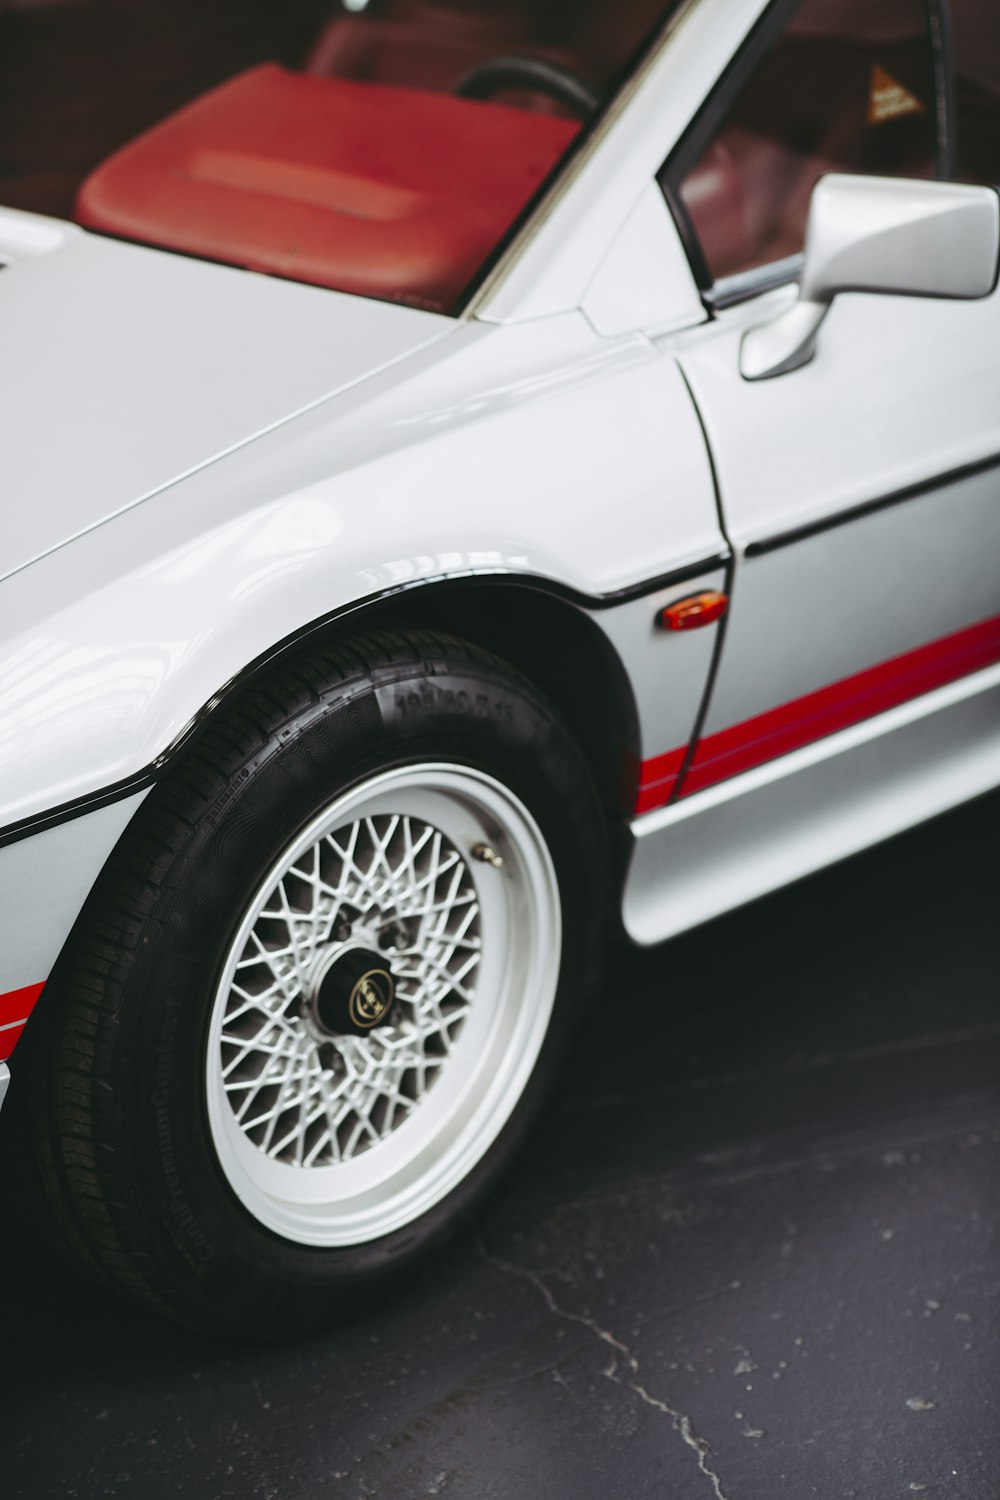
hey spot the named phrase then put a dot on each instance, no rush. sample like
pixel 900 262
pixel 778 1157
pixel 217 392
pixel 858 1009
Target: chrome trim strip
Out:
pixel 728 291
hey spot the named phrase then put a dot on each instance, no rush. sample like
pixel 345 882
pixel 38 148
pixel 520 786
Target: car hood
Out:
pixel 126 368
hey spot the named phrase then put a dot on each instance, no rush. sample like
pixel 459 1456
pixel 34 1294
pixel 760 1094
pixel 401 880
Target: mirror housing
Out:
pixel 880 234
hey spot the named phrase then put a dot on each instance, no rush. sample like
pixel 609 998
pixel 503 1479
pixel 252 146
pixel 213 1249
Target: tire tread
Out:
pixel 68 1119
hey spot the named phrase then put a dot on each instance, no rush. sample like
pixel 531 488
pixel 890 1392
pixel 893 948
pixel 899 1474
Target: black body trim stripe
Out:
pixel 720 559
pixel 149 775
pixel 869 507
pixel 77 808
pixel 720 634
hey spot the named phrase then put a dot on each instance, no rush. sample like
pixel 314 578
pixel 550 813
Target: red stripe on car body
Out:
pixel 657 779
pixel 816 715
pixel 15 1008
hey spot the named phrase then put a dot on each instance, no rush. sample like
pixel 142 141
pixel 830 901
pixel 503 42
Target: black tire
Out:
pixel 117 1101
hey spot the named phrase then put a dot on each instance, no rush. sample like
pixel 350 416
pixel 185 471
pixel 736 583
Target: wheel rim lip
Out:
pixel 429 1154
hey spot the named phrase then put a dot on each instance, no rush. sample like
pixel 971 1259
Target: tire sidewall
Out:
pixel 396 717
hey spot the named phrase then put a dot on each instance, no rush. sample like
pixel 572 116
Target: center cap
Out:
pixel 356 993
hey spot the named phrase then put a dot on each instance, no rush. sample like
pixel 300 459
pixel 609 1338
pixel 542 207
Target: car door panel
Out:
pixel 862 498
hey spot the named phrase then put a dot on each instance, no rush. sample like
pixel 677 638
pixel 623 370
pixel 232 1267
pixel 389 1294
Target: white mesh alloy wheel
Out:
pixel 321 991
pixel 383 1004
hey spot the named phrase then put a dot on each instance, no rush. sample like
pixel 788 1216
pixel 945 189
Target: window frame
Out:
pixel 718 293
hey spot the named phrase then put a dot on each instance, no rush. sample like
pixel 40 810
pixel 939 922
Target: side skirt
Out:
pixel 733 842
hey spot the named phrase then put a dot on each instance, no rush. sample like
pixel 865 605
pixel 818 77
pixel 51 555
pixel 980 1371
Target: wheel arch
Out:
pixel 547 633
pixel 541 630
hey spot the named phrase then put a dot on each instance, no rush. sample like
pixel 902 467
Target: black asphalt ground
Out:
pixel 753 1254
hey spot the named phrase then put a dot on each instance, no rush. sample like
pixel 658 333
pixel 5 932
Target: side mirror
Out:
pixel 880 234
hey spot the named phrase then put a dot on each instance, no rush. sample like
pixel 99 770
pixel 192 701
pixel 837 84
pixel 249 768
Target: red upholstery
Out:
pixel 387 192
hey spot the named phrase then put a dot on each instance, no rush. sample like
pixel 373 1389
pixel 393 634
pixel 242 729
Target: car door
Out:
pixel 861 493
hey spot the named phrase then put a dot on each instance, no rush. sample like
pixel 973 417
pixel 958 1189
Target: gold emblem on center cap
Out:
pixel 371 998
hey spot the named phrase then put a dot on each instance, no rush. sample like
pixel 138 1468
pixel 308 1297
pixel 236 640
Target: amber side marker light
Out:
pixel 694 611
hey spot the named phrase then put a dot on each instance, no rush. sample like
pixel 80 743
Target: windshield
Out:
pixel 384 148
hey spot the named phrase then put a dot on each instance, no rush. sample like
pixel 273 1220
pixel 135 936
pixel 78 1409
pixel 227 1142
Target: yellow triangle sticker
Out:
pixel 888 100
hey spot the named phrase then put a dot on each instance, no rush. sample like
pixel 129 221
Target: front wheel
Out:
pixel 314 1003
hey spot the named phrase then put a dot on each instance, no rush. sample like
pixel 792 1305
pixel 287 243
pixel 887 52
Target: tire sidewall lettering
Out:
pixel 476 712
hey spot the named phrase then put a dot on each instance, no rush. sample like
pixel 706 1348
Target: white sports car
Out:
pixel 472 472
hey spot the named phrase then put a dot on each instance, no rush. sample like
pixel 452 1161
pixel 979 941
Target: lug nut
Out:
pixel 344 925
pixel 327 1057
pixel 393 935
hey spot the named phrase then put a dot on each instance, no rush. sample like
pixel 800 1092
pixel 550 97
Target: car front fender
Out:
pixel 542 451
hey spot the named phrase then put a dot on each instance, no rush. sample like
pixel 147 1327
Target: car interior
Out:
pixel 386 156
pixel 386 147
pixel 843 89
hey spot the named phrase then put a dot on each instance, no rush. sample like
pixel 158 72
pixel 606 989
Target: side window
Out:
pixel 975 49
pixel 847 87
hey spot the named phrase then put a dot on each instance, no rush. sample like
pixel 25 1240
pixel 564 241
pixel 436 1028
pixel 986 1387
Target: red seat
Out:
pixel 387 192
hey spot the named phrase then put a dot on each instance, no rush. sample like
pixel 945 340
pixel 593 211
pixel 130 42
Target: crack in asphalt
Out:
pixel 623 1368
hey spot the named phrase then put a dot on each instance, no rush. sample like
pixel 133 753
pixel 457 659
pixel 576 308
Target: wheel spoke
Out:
pixel 378 874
